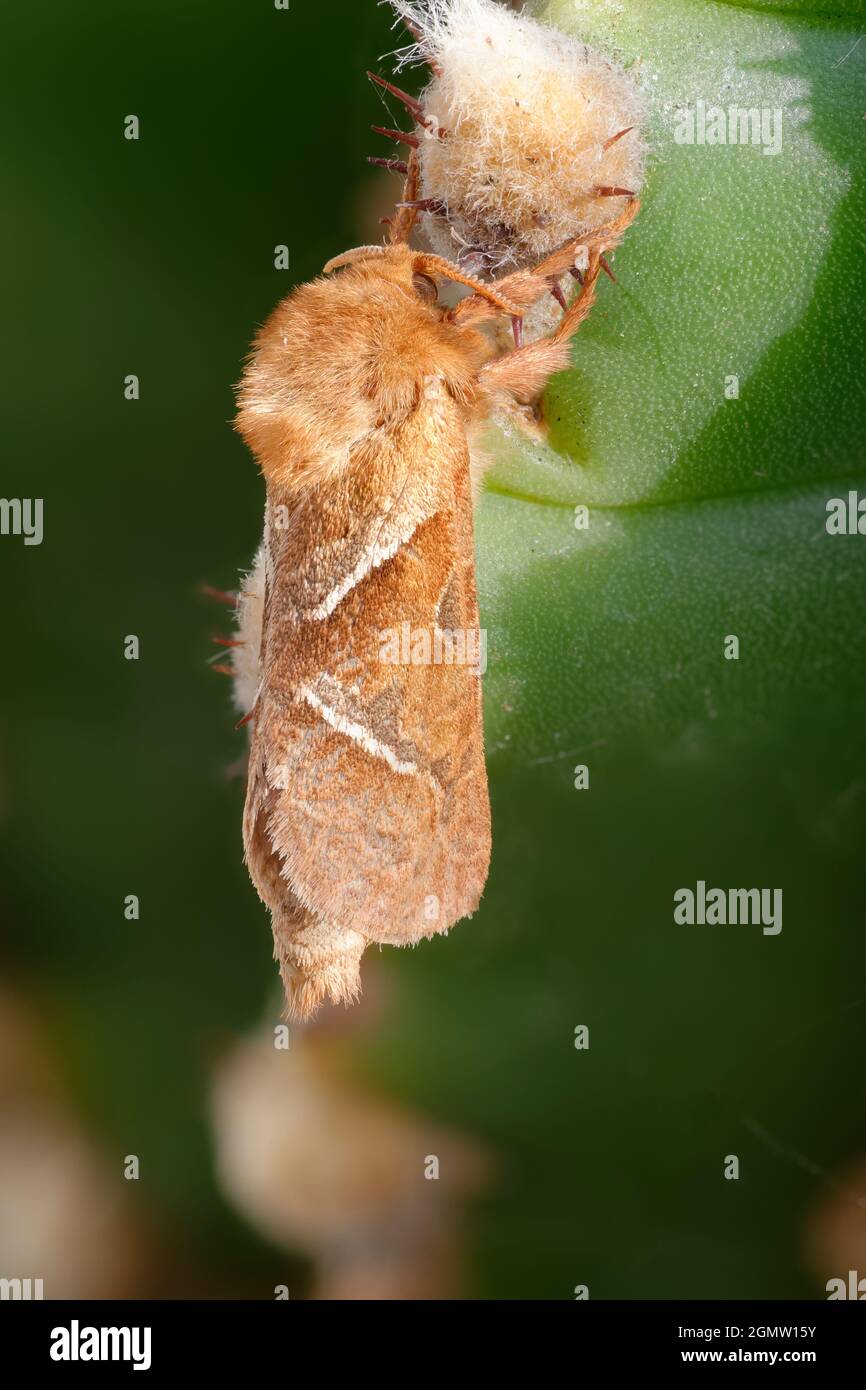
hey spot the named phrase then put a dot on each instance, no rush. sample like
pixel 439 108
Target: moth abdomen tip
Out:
pixel 319 964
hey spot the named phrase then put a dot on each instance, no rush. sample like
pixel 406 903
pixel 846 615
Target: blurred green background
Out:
pixel 156 258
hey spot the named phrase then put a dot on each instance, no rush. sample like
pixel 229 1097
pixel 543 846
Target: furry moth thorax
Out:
pixel 343 357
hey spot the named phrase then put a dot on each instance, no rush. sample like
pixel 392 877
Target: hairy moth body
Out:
pixel 367 816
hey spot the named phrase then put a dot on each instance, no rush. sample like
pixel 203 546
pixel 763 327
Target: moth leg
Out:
pixel 524 287
pixel 520 376
pixel 562 259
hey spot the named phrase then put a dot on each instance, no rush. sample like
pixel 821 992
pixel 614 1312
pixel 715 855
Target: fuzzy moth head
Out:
pixel 351 350
pixel 525 135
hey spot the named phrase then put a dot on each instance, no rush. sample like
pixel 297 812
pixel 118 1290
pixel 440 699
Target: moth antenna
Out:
pixel 605 191
pixel 437 265
pixel 613 139
pixel 402 136
pixel 358 253
pixel 219 595
pixel 556 291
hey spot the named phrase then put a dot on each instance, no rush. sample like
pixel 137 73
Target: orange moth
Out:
pixel 367 816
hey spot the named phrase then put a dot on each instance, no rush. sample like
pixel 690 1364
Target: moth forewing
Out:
pixel 360 753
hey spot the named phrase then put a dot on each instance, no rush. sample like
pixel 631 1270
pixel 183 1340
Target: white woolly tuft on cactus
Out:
pixel 531 118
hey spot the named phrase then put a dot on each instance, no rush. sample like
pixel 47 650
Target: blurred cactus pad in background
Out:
pixel 581 1066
